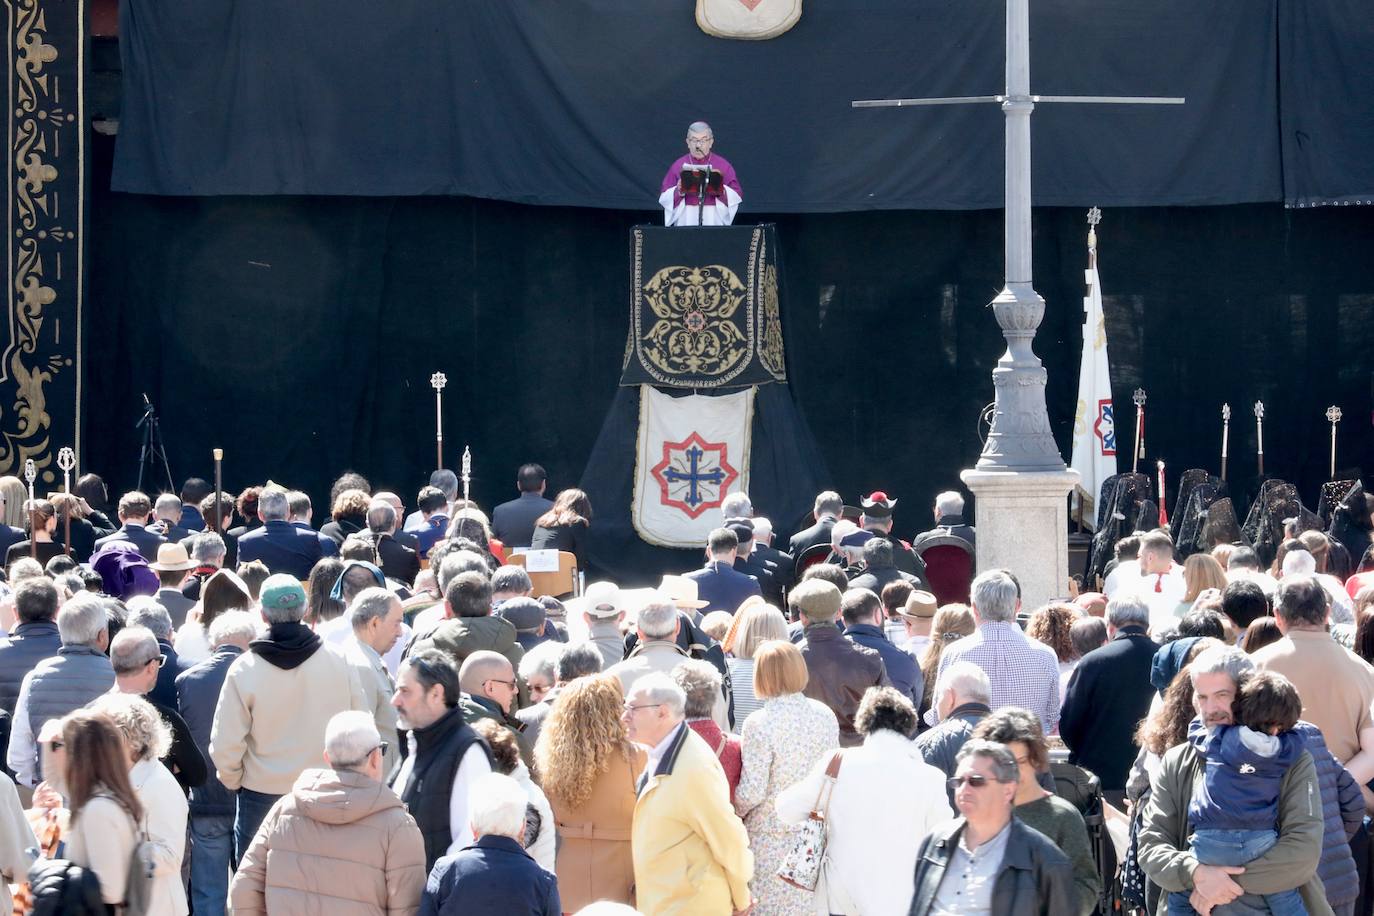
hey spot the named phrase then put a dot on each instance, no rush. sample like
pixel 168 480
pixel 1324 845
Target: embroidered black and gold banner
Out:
pixel 40 363
pixel 705 308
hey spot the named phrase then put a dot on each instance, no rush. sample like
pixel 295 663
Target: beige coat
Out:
pixel 269 723
pixel 340 844
pixel 594 860
pixel 101 837
pixel 377 690
pixel 16 836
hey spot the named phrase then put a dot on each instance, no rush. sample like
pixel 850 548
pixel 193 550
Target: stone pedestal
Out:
pixel 1023 525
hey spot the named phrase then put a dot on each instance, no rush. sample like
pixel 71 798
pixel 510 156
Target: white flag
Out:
pixel 691 452
pixel 1094 432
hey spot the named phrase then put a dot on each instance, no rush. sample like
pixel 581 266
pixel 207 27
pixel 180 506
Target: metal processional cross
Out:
pixel 1020 439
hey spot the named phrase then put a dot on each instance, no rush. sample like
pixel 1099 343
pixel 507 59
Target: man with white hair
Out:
pixel 341 831
pixel 657 651
pixel 280 545
pixel 276 702
pixel 212 805
pixel 700 188
pixel 958 703
pixel 691 852
pixel 208 554
pixel 494 876
pixel 949 520
pixel 376 615
pixel 783 564
pixel 1022 672
pixel 736 506
pixel 77 674
pixel 1108 694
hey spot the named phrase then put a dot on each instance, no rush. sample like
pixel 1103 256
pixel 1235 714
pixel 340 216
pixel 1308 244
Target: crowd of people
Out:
pixel 380 715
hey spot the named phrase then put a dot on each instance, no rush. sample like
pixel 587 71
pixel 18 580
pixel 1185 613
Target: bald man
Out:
pixel 491 691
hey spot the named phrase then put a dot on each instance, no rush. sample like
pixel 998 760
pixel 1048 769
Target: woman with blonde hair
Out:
pixel 148 739
pixel 952 622
pixel 588 769
pixel 93 761
pixel 1200 572
pixel 779 745
pixel 754 625
pixel 14 493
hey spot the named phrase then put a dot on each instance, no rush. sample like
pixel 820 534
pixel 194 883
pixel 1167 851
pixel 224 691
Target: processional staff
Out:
pixel 467 474
pixel 437 381
pixel 1333 416
pixel 1259 435
pixel 1163 511
pixel 31 474
pixel 66 460
pixel 1225 436
pixel 219 489
pixel 1139 400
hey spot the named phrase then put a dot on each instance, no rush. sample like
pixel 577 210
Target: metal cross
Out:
pixel 1259 435
pixel 66 460
pixel 467 474
pixel 1020 438
pixel 1225 436
pixel 694 476
pixel 1138 399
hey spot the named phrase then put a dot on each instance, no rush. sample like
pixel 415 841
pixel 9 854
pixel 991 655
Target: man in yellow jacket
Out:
pixel 691 852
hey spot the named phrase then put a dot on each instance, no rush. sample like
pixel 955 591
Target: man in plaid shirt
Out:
pixel 1022 671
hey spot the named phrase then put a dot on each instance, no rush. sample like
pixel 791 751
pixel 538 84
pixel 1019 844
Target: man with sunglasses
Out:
pixel 488 681
pixel 985 861
pixel 138 662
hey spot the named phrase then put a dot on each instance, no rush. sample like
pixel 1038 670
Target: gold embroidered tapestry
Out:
pixel 704 308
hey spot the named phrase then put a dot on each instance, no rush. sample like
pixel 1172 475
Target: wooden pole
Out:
pixel 219 490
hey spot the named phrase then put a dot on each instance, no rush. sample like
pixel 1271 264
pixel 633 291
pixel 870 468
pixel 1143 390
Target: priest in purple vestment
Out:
pixel 721 201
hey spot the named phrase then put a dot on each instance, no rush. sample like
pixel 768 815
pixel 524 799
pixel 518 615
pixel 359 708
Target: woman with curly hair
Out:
pixel 952 622
pixel 1052 625
pixel 589 769
pixel 348 515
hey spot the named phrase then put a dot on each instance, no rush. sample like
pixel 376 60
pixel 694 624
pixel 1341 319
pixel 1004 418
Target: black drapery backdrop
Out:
pixel 299 334
pixel 585 102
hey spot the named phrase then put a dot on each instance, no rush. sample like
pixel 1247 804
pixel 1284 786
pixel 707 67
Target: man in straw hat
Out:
pixel 173 563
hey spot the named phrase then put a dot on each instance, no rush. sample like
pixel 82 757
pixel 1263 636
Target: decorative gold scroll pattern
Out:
pixel 45 220
pixel 694 333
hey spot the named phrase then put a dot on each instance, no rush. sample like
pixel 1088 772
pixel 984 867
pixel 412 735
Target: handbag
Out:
pixel 802 865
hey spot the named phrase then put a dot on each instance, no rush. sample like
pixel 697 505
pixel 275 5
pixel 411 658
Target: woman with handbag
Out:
pixel 588 769
pixel 105 810
pixel 779 745
pixel 882 801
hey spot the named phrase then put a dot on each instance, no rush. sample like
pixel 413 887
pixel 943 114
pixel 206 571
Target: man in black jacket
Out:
pixel 986 861
pixel 826 512
pixel 1108 694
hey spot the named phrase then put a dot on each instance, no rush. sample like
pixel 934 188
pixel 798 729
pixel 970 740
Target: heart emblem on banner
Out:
pixel 751 5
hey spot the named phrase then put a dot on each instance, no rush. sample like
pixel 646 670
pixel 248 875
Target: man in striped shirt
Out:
pixel 1022 671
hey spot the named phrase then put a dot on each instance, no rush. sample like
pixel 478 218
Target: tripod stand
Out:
pixel 152 450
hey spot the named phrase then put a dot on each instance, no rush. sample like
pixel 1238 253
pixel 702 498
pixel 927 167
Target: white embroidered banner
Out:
pixel 691 452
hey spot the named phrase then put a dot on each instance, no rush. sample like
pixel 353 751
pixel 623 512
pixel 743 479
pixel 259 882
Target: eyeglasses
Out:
pixel 381 747
pixel 630 707
pixel 161 660
pixel 975 781
pixel 513 685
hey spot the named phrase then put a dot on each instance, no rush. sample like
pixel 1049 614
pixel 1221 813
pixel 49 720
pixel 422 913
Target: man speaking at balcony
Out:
pixel 700 188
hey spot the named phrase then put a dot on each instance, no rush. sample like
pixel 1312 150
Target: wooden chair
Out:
pixel 560 584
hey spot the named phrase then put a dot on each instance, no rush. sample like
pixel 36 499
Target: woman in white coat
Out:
pixel 148 739
pixel 884 802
